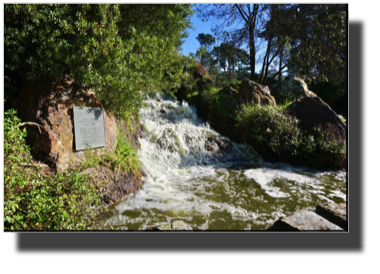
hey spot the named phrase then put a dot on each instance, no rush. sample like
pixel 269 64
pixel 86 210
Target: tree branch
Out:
pixel 32 124
pixel 245 17
pixel 277 73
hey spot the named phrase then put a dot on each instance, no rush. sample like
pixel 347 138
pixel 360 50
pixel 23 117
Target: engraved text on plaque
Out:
pixel 89 127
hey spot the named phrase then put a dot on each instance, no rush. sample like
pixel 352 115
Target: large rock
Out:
pixel 313 111
pixel 252 91
pixel 292 90
pixel 217 145
pixel 335 213
pixel 112 185
pixel 50 104
pixel 303 220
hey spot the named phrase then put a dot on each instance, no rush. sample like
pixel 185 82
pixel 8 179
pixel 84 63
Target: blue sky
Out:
pixel 191 43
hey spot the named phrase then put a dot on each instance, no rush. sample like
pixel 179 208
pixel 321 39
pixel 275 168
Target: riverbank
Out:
pixel 269 128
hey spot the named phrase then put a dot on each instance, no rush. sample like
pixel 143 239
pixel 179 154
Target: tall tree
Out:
pixel 206 40
pixel 319 49
pixel 246 18
pixel 277 36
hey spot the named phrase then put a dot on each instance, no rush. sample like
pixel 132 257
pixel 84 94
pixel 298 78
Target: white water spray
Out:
pixel 197 175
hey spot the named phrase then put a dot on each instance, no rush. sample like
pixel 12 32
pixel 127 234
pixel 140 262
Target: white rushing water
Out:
pixel 197 175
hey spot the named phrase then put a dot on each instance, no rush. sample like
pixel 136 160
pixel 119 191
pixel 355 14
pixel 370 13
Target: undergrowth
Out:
pixel 34 201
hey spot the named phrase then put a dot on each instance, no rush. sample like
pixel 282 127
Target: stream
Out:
pixel 211 183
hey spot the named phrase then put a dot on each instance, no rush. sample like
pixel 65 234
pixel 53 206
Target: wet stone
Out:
pixel 303 220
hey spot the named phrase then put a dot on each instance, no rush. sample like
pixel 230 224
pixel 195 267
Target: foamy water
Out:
pixel 196 175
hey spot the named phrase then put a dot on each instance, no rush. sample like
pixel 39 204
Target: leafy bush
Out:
pixel 271 130
pixel 275 136
pixel 36 202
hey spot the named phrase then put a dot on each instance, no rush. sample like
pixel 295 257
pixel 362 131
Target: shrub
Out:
pixel 276 136
pixel 36 202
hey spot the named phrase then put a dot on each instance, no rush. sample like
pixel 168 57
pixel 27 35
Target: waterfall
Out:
pixel 197 175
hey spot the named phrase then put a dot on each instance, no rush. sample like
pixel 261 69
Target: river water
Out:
pixel 211 183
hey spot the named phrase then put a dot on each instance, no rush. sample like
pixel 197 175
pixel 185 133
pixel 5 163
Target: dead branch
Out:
pixel 32 165
pixel 30 123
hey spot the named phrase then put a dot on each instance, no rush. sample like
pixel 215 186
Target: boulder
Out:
pixel 175 225
pixel 303 220
pixel 335 213
pixel 217 145
pixel 252 91
pixel 292 90
pixel 313 112
pixel 50 104
pixel 113 186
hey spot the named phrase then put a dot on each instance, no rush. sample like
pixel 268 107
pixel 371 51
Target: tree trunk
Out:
pixel 252 54
pixel 267 63
pixel 279 68
pixel 264 63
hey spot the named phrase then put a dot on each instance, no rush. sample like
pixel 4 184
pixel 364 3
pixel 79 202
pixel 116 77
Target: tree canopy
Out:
pixel 123 52
pixel 307 39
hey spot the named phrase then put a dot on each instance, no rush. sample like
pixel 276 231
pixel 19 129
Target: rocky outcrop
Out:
pixel 50 104
pixel 303 220
pixel 175 225
pixel 252 91
pixel 335 213
pixel 113 186
pixel 216 145
pixel 313 112
pixel 132 132
pixel 292 90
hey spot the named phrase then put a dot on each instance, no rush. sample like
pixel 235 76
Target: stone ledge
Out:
pixel 335 213
pixel 303 220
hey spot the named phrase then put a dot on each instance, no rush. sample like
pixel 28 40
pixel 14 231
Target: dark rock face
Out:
pixel 252 91
pixel 335 213
pixel 113 186
pixel 303 220
pixel 50 104
pixel 312 112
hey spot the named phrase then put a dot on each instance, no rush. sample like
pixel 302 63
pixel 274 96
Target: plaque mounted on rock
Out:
pixel 89 128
